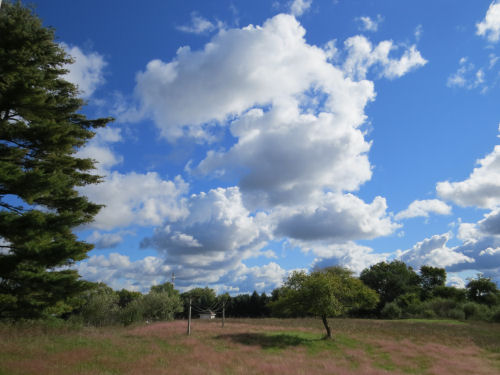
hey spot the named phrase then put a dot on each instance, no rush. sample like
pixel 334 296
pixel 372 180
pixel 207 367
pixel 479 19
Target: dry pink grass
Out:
pixel 242 347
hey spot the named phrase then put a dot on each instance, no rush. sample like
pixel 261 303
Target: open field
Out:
pixel 255 346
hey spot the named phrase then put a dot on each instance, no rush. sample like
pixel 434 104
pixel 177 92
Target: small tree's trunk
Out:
pixel 327 327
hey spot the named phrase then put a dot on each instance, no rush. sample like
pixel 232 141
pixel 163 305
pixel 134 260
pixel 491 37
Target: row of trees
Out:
pixel 102 306
pixel 384 290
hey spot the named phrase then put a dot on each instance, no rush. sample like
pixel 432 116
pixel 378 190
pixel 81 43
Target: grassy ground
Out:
pixel 255 346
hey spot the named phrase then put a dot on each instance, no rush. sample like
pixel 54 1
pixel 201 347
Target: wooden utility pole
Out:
pixel 223 313
pixel 189 318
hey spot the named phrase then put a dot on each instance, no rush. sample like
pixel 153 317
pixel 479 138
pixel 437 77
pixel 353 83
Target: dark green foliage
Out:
pixel 445 308
pixel 160 306
pixel 201 299
pixel 476 311
pixel 495 316
pixel 409 303
pixel 126 297
pixel 483 290
pixel 450 292
pixel 40 131
pixel 161 303
pixel 430 279
pixel 101 306
pixel 390 280
pixel 391 310
pixel 248 306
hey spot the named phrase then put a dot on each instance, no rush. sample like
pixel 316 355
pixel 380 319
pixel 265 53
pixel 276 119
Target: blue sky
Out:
pixel 255 138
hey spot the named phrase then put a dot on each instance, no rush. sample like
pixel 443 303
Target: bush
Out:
pixel 133 312
pixel 160 306
pixel 427 314
pixel 476 311
pixel 101 307
pixel 445 308
pixel 410 304
pixel 495 316
pixel 391 310
pixel 456 313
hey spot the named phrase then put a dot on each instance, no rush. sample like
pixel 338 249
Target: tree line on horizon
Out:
pixel 386 290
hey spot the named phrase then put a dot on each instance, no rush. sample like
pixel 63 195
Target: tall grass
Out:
pixel 253 346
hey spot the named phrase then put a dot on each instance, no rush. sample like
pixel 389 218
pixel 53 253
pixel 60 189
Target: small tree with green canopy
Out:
pixel 325 293
pixel 40 132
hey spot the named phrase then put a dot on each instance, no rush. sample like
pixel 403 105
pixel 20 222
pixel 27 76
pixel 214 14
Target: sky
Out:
pixel 254 138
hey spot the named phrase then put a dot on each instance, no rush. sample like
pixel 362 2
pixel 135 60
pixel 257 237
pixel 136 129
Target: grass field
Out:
pixel 255 346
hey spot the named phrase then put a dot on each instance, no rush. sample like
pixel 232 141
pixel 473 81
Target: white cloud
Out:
pixel 491 223
pixel 481 189
pixel 214 237
pixel 490 26
pixel 117 271
pixel 485 251
pixel 350 255
pixel 129 198
pixel 361 56
pixel 337 218
pixel 87 70
pixel 423 208
pixel 299 148
pixel 253 66
pixel 419 30
pixel 455 281
pixel 199 25
pixel 136 198
pixel 299 7
pixel 468 77
pixel 105 240
pixel 369 24
pixel 260 278
pixel 288 157
pixel 98 149
pixel 434 252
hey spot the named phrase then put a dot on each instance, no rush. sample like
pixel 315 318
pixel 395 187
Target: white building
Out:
pixel 207 315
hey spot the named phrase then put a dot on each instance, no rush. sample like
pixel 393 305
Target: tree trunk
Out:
pixel 327 327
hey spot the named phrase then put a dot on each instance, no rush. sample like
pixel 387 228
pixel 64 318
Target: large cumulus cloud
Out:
pixel 296 113
pixel 214 237
pixel 481 189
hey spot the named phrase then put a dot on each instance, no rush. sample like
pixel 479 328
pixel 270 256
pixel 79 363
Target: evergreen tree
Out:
pixel 40 132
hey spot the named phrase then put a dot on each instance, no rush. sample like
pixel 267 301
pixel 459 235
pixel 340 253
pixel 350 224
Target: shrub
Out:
pixel 101 307
pixel 476 311
pixel 445 308
pixel 410 304
pixel 133 312
pixel 495 316
pixel 456 313
pixel 160 306
pixel 391 310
